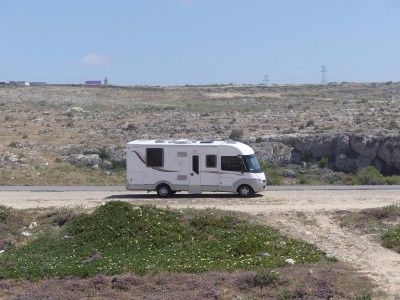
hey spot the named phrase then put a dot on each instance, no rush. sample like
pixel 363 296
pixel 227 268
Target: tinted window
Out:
pixel 154 157
pixel 251 164
pixel 195 164
pixel 211 161
pixel 231 163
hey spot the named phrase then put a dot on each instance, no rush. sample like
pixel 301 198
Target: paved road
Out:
pixel 272 188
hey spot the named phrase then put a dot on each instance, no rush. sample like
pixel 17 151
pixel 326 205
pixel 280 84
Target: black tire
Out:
pixel 163 190
pixel 245 190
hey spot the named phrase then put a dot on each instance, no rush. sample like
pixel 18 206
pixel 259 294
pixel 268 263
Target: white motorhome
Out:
pixel 193 166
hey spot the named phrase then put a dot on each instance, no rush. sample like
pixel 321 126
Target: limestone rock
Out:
pixel 365 146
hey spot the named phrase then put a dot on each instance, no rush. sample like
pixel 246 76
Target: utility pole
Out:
pixel 266 79
pixel 323 71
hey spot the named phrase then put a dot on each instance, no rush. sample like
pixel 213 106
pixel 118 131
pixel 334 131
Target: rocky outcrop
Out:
pixel 104 158
pixel 11 160
pixel 347 153
pixel 276 153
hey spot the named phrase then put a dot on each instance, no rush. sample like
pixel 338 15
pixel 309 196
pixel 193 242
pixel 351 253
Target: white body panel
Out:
pixel 193 166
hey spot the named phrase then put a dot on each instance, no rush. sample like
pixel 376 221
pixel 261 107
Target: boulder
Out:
pixel 342 144
pixel 89 160
pixel 288 173
pixel 389 151
pixel 107 165
pixel 365 146
pixel 351 164
pixel 319 145
pixel 273 153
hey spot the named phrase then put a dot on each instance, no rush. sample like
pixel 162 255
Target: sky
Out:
pixel 197 42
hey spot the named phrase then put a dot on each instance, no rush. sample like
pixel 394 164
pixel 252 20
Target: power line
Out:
pixel 266 79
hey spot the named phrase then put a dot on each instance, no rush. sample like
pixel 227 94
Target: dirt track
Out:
pixel 305 214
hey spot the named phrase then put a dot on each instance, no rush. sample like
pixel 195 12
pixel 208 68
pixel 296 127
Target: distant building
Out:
pixel 38 83
pixel 2 83
pixel 22 83
pixel 93 82
pixel 105 81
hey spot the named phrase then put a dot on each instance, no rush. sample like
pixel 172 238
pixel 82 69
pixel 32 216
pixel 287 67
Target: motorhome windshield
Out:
pixel 251 163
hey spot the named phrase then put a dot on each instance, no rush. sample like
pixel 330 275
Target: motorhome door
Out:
pixel 194 174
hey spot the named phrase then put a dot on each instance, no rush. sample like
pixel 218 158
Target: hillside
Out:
pixel 42 125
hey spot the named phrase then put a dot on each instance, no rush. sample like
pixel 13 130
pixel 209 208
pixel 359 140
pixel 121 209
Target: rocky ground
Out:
pixel 46 129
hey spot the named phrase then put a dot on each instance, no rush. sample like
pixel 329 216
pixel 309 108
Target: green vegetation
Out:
pixel 323 163
pixel 104 155
pixel 391 239
pixel 66 174
pixel 118 238
pixel 14 145
pixel 383 220
pixel 272 173
pixel 371 176
pixel 236 135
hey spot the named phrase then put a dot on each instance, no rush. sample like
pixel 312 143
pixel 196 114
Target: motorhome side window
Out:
pixel 154 157
pixel 211 161
pixel 231 163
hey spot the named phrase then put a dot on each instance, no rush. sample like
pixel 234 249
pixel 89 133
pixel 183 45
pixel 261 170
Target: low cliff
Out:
pixel 347 152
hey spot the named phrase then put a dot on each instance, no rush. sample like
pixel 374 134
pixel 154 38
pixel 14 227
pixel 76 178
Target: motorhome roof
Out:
pixel 183 142
pixel 243 148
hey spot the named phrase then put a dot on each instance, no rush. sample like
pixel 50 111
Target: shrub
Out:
pixel 14 145
pixel 104 155
pixel 236 135
pixel 391 239
pixel 303 180
pixel 323 163
pixel 392 180
pixel 310 123
pixel 370 176
pixel 260 139
pixel 263 278
pixel 131 127
pixel 272 173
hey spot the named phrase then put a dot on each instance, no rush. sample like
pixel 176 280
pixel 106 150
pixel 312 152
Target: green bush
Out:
pixel 369 176
pixel 236 135
pixel 104 155
pixel 391 239
pixel 264 278
pixel 272 173
pixel 392 180
pixel 323 163
pixel 14 145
